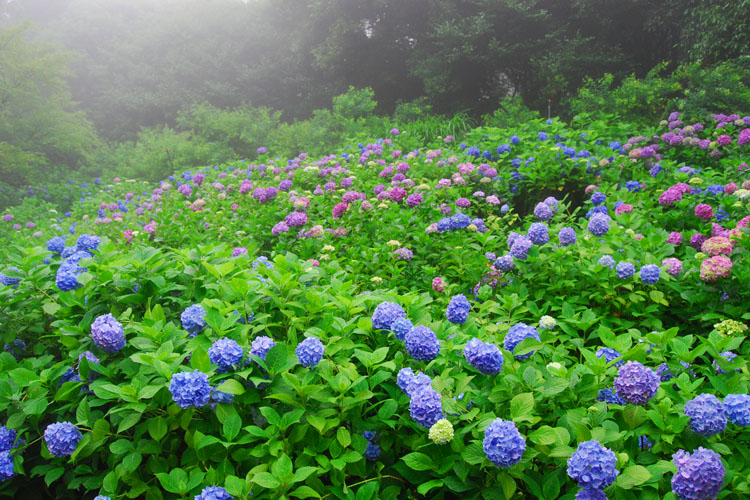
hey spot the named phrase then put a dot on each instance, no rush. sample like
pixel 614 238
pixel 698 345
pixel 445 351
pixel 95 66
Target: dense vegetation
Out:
pixel 260 325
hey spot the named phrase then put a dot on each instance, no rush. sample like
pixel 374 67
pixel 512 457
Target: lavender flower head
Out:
pixel 261 345
pixel 225 353
pixel 707 415
pixel 737 407
pixel 592 465
pixel 636 383
pixel 108 334
pixel 310 352
pixel 190 389
pixel 458 310
pixel 401 327
pixel 385 314
pixel 486 358
pixel 503 444
pixel 193 319
pixel 516 335
pixel 425 407
pixel 699 475
pixel 422 344
pixel 62 438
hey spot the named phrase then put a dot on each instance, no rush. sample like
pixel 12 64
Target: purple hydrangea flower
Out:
pixel 567 236
pixel 62 438
pixel 261 345
pixel 518 333
pixel 503 444
pixel 424 407
pixel 422 344
pixel 385 314
pixel 216 492
pixel 737 407
pixel 505 263
pixel 543 212
pixel 699 475
pixel 538 233
pixel 401 327
pixel 520 247
pixel 707 415
pixel 610 355
pixel 625 270
pixel 486 358
pixel 108 334
pixel 458 310
pixel 310 352
pixel 591 494
pixel 636 383
pixel 599 224
pixel 592 465
pixel 650 274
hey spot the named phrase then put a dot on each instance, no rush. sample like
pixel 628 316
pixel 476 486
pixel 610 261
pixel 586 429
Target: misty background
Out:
pixel 91 87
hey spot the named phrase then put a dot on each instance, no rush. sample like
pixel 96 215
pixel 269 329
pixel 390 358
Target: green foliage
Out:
pixel 510 113
pixel 354 104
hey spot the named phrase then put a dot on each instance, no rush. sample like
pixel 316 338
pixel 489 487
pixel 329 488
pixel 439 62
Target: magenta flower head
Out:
pixel 704 211
pixel 438 284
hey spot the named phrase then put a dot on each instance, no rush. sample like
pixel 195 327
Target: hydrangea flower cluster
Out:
pixel 410 383
pixel 62 438
pixel 108 333
pixel 650 274
pixel 372 452
pixel 213 493
pixel 190 389
pixel 310 352
pixel 518 333
pixel 538 233
pixel 401 327
pixel 261 345
pixel 625 270
pixel 593 466
pixel 610 397
pixel 458 310
pixel 699 474
pixel 566 236
pixel 425 407
pixel 225 353
pixel 599 224
pixel 610 355
pixel 486 358
pixel 503 444
pixel 422 344
pixel 607 261
pixel 737 407
pixel 636 383
pixel 707 415
pixel 441 432
pixel 385 314
pixel 193 319
pixel 505 263
pixel 547 322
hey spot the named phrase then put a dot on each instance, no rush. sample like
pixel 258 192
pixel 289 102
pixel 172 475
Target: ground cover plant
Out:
pixel 545 311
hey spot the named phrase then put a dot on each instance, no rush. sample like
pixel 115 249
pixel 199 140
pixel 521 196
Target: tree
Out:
pixel 39 126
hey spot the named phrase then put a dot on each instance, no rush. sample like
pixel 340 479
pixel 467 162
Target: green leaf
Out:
pixel 23 376
pixel 303 473
pixel 521 406
pixel 199 360
pixel 266 480
pixel 53 475
pixel 418 461
pixel 388 409
pixel 634 475
pixel 304 492
pixel 231 386
pixel 424 488
pixel 473 454
pixel 168 482
pixel 157 428
pixel 282 469
pixel 367 491
pixel 545 435
pixel 51 308
pixel 231 427
pixel 343 437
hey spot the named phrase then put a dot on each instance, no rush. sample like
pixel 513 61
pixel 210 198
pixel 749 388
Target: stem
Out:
pixel 367 481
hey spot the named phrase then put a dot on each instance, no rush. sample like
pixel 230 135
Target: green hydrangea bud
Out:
pixel 441 432
pixel 547 322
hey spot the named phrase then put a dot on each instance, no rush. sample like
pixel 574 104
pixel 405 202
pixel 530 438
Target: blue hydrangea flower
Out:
pixel 62 438
pixel 707 415
pixel 645 443
pixel 460 221
pixel 7 438
pixel 538 233
pixel 190 389
pixel 655 170
pixel 68 251
pixel 261 345
pixel 69 376
pixel 518 333
pixel 636 383
pixel 520 247
pixel 566 236
pixel 598 224
pixel 592 465
pixel 310 352
pixel 213 493
pixel 7 280
pixel 737 407
pixel 67 276
pixel 504 209
pixel 699 475
pixel 625 270
pixel 458 310
pixel 56 244
pixel 505 263
pixel 662 371
pixel 422 344
pixel 598 198
pixel 102 497
pixel 87 243
pixel 607 261
pixel 6 466
pixel 372 452
pixel 404 378
pixel 591 494
pixel 486 358
pixel 610 397
pixel 503 148
pixel 410 383
pixel 107 333
pixel 598 210
pixel 401 327
pixel 610 355
pixel 650 274
pixel 542 211
pixel 369 435
pixel 193 319
pixel 425 408
pixel 225 353
pixel 264 261
pixel 385 314
pixel 503 444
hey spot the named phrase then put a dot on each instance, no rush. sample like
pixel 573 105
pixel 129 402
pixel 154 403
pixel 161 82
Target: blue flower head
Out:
pixel 425 408
pixel 213 493
pixel 699 475
pixel 503 444
pixel 591 494
pixel 7 438
pixel 650 274
pixel 56 244
pixel 610 355
pixel 422 344
pixel 385 314
pixel 607 261
pixel 520 247
pixel 310 352
pixel 225 353
pixel 458 310
pixel 538 233
pixel 6 466
pixel 190 389
pixel 87 243
pixel 636 383
pixel 193 319
pixel 62 438
pixel 401 327
pixel 505 263
pixel 592 465
pixel 625 270
pixel 486 358
pixel 707 415
pixel 567 236
pixel 108 334
pixel 261 345
pixel 737 407
pixel 598 224
pixel 7 280
pixel 610 397
pixel 518 333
